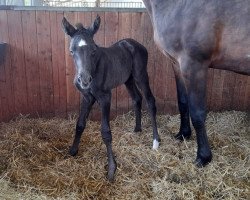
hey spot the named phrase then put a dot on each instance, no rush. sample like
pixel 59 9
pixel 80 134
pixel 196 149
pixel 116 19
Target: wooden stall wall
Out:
pixel 37 75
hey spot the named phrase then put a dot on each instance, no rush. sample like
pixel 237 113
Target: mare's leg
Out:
pixel 86 104
pixel 195 76
pixel 137 101
pixel 105 100
pixel 185 130
pixel 143 83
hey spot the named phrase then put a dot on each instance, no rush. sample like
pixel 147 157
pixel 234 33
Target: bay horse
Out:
pixel 197 35
pixel 98 71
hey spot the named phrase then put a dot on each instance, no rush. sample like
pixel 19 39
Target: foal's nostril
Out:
pixel 90 79
pixel 79 79
pixel 84 80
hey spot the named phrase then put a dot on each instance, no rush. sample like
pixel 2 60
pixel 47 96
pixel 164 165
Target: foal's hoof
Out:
pixel 111 173
pixel 183 135
pixel 111 177
pixel 73 151
pixel 137 129
pixel 202 161
pixel 156 144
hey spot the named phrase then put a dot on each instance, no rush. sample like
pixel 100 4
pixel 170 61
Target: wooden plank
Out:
pixel 73 97
pixel 168 87
pixel 243 92
pixel 160 81
pixel 1 106
pixel 2 58
pixel 125 24
pixel 247 96
pixel 31 61
pixel 171 102
pixel 54 26
pixel 18 70
pixel 45 62
pixel 148 42
pixel 228 89
pixel 239 91
pixel 138 26
pixel 217 88
pixel 111 34
pixel 209 88
pixel 5 81
pixel 58 64
pixel 85 18
pixel 62 108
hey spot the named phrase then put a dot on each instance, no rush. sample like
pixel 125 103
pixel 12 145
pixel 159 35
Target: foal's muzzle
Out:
pixel 84 81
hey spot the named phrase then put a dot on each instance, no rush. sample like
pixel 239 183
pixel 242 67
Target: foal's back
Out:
pixel 119 61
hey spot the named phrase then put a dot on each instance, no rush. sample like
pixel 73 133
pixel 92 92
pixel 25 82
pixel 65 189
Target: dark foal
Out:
pixel 198 35
pixel 98 71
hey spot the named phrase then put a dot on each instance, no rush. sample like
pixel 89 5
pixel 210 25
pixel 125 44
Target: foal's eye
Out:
pixel 71 52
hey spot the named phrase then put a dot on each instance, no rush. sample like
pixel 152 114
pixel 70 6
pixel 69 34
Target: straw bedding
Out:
pixel 34 161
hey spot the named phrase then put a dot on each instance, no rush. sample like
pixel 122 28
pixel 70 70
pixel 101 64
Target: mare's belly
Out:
pixel 239 65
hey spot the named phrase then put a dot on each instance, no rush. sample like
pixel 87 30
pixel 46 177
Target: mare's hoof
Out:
pixel 73 151
pixel 137 129
pixel 202 161
pixel 183 135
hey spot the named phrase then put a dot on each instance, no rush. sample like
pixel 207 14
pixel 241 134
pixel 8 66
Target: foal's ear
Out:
pixel 67 27
pixel 95 26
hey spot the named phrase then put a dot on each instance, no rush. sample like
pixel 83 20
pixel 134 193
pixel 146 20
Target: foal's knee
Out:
pixel 106 137
pixel 137 101
pixel 79 128
pixel 151 103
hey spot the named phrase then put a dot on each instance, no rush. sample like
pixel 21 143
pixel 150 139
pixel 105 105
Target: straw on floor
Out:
pixel 34 160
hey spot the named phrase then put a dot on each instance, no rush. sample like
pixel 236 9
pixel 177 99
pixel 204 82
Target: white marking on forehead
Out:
pixel 82 43
pixel 248 55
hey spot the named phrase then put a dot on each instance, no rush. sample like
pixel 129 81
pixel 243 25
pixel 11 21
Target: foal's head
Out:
pixel 83 49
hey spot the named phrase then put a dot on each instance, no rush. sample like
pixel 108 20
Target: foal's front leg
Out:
pixel 105 101
pixel 86 104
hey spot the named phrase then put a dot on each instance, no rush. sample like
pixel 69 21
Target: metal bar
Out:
pixel 85 9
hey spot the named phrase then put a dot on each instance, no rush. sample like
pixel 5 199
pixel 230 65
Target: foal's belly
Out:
pixel 117 73
pixel 121 75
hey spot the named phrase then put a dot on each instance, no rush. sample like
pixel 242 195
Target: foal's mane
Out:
pixel 80 29
pixel 79 26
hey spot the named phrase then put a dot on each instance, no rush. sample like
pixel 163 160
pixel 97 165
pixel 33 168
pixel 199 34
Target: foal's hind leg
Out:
pixel 143 83
pixel 137 102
